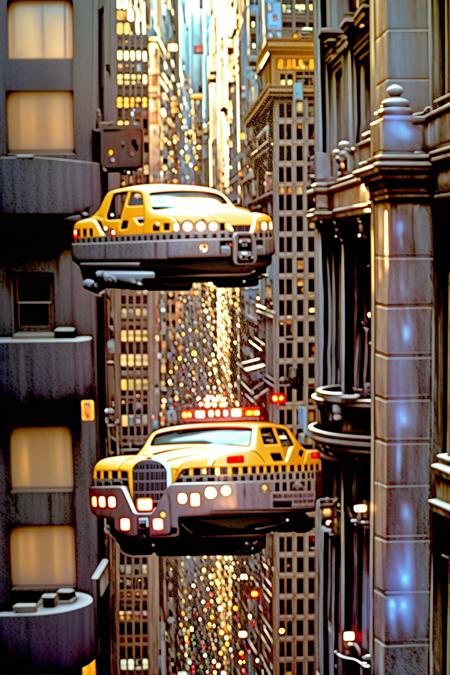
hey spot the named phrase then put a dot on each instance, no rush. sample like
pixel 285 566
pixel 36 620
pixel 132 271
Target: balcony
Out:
pixel 343 424
pixel 55 634
pixel 33 366
pixel 54 185
pixel 440 502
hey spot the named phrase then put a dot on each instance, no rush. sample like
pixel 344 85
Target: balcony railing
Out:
pixel 343 423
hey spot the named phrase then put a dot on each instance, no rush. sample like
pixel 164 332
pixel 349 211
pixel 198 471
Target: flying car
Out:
pixel 168 236
pixel 217 483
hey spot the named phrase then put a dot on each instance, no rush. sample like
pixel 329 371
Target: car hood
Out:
pixel 221 212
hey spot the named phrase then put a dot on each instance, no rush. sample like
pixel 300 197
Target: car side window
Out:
pixel 268 436
pixel 116 205
pixel 135 199
pixel 285 437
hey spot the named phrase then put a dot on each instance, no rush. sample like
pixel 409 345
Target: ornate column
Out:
pixel 402 303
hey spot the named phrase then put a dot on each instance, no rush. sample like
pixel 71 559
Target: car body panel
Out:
pixel 126 239
pixel 246 490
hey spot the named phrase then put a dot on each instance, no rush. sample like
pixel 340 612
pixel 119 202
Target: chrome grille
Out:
pixel 149 480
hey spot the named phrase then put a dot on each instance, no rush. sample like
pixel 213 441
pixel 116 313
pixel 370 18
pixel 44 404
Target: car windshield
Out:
pixel 174 200
pixel 223 436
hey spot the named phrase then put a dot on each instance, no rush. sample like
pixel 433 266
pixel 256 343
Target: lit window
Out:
pixel 41 459
pixel 43 556
pixel 34 301
pixel 40 30
pixel 40 121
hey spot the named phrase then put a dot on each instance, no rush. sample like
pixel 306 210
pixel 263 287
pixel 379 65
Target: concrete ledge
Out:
pixel 49 639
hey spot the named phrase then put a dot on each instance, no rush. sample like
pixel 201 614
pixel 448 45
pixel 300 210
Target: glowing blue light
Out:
pixel 392 611
pixel 406 515
pixel 402 417
pixel 406 332
pixel 405 580
pixel 404 605
pixel 398 461
pixel 401 129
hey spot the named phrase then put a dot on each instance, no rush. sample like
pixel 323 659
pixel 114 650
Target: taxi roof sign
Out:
pixel 221 414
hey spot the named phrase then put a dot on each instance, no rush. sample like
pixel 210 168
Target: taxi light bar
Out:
pixel 144 504
pixel 222 413
pixel 235 459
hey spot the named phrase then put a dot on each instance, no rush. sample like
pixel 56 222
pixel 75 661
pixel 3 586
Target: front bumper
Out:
pixel 240 498
pixel 153 250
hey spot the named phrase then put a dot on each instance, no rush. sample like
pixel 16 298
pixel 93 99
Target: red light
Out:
pixel 75 234
pixel 220 413
pixel 255 593
pixel 315 454
pixel 235 459
pixel 278 398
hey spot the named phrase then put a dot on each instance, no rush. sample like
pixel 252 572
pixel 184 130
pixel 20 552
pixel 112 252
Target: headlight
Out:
pixel 182 498
pixel 263 225
pixel 176 227
pixel 112 502
pixel 213 226
pixel 200 226
pixel 187 226
pixel 211 492
pixel 144 504
pixel 270 225
pixel 229 227
pixel 195 499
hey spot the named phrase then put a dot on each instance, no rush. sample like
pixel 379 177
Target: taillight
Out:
pixel 315 454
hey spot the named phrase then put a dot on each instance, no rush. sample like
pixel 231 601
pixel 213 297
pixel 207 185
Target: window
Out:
pixel 34 301
pixel 43 556
pixel 268 436
pixel 40 30
pixel 41 459
pixel 40 121
pixel 225 436
pixel 441 45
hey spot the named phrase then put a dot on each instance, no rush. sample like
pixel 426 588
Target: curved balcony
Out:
pixel 343 424
pixel 54 634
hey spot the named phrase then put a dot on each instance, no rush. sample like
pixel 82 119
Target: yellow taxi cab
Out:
pixel 225 474
pixel 160 236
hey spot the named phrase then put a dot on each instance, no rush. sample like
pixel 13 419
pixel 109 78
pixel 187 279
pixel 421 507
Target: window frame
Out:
pixel 19 327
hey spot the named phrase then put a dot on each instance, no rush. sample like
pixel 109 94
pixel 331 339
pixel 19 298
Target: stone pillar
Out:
pixel 402 305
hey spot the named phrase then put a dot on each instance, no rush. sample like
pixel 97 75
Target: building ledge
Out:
pixel 43 338
pixel 42 639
